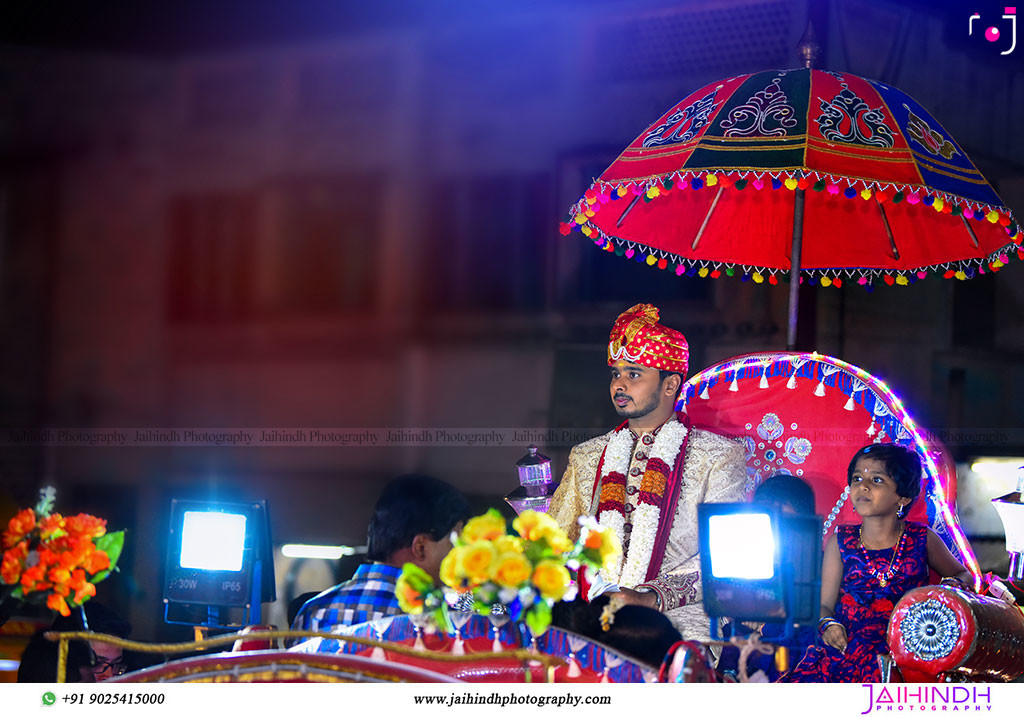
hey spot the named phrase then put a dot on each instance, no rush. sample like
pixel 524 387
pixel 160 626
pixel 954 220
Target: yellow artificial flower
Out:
pixel 489 526
pixel 450 574
pixel 532 525
pixel 409 598
pixel 551 579
pixel 508 544
pixel 557 540
pixel 477 560
pixel 605 543
pixel 512 570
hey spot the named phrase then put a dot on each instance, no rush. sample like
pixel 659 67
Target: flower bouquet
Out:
pixel 55 559
pixel 526 573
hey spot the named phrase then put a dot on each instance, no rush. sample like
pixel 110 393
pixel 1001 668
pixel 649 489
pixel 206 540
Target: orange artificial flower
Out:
pixel 85 526
pixel 34 578
pixel 56 602
pixel 59 575
pixel 96 561
pixel 13 562
pixel 19 526
pixel 51 526
pixel 82 587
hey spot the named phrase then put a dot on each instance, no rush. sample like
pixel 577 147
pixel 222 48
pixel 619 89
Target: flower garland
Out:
pixel 632 570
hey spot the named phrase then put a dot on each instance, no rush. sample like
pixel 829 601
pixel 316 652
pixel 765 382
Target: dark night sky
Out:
pixel 167 29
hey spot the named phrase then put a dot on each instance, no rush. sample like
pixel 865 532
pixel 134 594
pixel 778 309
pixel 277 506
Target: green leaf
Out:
pixel 442 620
pixel 417 577
pixel 112 544
pixel 538 618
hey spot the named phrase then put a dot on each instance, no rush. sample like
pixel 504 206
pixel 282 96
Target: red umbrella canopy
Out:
pixel 709 188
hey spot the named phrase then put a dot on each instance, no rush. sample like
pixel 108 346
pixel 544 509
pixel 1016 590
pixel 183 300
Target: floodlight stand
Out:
pixel 255 606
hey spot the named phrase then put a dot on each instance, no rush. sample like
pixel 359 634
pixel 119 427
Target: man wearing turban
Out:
pixel 646 478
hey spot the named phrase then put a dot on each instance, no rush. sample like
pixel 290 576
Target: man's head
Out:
pixel 413 520
pixel 648 364
pixel 789 493
pixel 638 391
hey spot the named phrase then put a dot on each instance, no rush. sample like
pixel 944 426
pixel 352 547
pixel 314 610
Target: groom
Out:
pixel 645 479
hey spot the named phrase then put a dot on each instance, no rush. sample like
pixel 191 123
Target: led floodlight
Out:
pixel 758 563
pixel 219 563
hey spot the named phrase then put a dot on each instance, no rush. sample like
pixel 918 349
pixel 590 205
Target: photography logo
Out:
pixel 928 698
pixel 995 33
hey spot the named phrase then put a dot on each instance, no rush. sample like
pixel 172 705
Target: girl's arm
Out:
pixel 834 633
pixel 944 563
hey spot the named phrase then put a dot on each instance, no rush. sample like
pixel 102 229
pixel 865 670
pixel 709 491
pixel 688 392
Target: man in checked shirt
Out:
pixel 412 523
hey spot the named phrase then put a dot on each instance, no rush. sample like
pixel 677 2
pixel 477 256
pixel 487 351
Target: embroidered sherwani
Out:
pixel 714 472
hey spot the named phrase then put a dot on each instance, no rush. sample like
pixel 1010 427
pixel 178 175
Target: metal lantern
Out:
pixel 1011 511
pixel 535 483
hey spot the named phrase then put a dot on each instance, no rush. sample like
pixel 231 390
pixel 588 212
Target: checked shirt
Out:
pixel 369 595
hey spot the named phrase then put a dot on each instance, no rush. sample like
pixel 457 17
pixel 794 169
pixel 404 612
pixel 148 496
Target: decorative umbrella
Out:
pixel 775 173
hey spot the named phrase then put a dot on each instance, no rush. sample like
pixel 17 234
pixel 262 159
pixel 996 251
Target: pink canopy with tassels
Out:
pixel 806 414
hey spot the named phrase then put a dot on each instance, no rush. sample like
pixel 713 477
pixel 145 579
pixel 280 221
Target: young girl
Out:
pixel 868 567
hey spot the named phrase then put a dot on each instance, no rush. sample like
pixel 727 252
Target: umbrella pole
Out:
pixel 794 268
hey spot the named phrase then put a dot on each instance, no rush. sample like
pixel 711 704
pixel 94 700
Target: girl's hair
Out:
pixel 902 464
pixel 640 633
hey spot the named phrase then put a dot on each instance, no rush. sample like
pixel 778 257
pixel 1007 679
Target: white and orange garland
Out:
pixel 631 569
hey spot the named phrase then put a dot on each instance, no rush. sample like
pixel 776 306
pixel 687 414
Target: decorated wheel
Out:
pixel 936 631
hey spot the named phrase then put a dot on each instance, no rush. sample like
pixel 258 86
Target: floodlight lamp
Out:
pixel 760 564
pixel 220 565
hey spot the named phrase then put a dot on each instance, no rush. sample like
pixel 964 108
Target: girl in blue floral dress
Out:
pixel 868 567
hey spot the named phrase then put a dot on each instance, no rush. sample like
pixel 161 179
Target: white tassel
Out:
pixel 704 393
pixel 764 379
pixel 849 404
pixel 574 667
pixel 378 654
pixel 791 383
pixel 734 387
pixel 871 428
pixel 820 390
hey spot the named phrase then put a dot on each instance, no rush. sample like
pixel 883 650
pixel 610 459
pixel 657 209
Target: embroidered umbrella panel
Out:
pixel 708 188
pixel 806 415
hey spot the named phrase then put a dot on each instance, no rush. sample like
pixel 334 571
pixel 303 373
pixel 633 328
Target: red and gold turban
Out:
pixel 638 338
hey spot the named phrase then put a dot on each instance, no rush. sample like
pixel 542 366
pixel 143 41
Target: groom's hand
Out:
pixel 635 597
